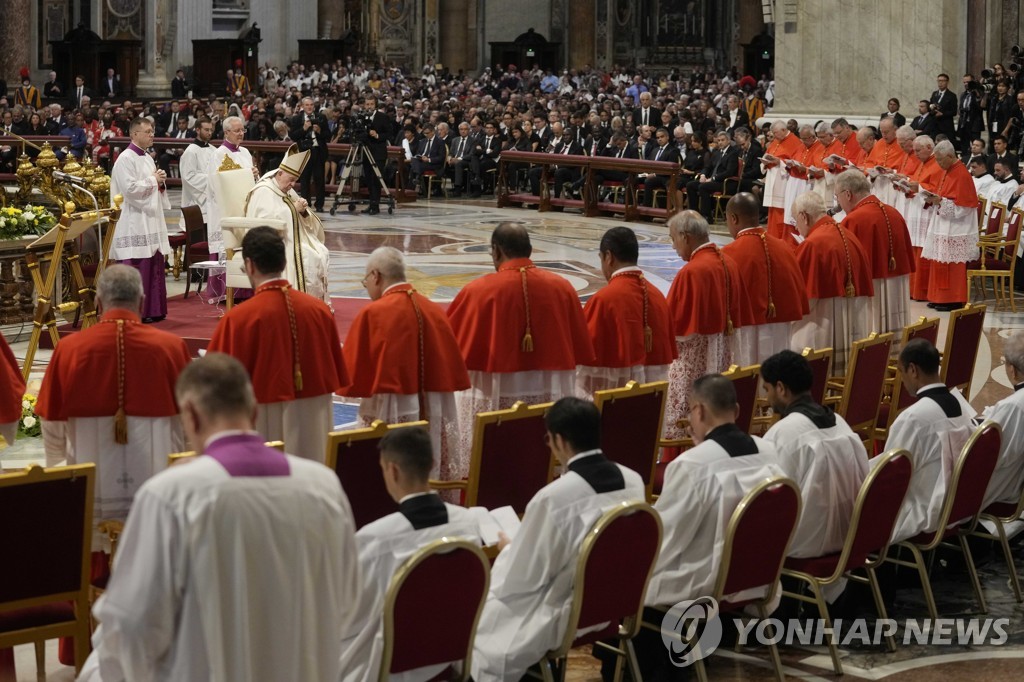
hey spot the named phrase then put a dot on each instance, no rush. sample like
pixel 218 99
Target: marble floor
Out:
pixel 447 245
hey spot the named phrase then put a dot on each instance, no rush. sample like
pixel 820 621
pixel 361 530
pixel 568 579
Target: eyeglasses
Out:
pixel 367 276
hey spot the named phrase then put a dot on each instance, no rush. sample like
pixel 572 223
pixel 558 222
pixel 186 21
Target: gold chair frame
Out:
pixel 632 390
pixel 442 546
pixel 723 569
pixel 816 584
pixel 1000 536
pixel 471 485
pixel 982 213
pixel 845 386
pixel 954 319
pixel 963 531
pixel 79 629
pixel 630 626
pixel 894 384
pixel 992 245
pixel 378 429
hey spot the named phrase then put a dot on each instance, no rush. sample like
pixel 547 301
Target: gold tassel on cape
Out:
pixel 648 339
pixel 298 378
pixel 771 309
pixel 892 263
pixel 527 344
pixel 729 329
pixel 850 291
pixel 120 427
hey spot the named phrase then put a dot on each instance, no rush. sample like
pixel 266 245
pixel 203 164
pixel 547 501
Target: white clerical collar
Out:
pixel 581 455
pixel 628 268
pixel 930 387
pixel 396 284
pixel 412 495
pixel 227 434
pixel 705 245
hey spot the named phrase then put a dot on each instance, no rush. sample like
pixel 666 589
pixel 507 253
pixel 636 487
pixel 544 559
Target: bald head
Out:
pixel 742 212
pixel 511 240
pixel 866 138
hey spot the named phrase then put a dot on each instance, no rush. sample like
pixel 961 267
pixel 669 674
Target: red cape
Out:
pixel 12 385
pixel 882 240
pixel 382 349
pixel 259 334
pixel 885 154
pixel 909 165
pixel 929 174
pixel 807 156
pixel 823 260
pixel 81 380
pixel 787 282
pixel 615 320
pixel 789 148
pixel 852 150
pixel 698 296
pixel 958 185
pixel 489 320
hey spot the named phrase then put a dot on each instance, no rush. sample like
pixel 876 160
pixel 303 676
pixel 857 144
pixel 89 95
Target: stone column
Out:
pixel 976 35
pixel 330 18
pixel 847 57
pixel 15 45
pixel 581 33
pixel 154 81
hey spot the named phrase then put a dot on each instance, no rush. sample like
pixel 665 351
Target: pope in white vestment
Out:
pixel 239 565
pixel 528 604
pixel 308 257
pixel 383 546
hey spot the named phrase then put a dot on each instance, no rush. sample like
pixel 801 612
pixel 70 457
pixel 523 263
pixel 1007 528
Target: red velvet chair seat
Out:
pixel 176 240
pixel 1001 509
pixel 990 264
pixel 37 616
pixel 200 248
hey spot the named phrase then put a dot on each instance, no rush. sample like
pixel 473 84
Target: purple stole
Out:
pixel 246 455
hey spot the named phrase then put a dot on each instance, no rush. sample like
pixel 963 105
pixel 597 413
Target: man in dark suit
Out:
pixel 1002 153
pixel 645 114
pixel 722 163
pixel 543 131
pixel 429 156
pixel 750 152
pixel 460 157
pixel 170 154
pixel 167 124
pixel 53 89
pixel 376 144
pixel 662 150
pixel 179 87
pixel 971 121
pixel 943 106
pixel 309 130
pixel 564 144
pixel 618 148
pixel 736 116
pixel 77 93
pixel 55 120
pixel 925 122
pixel 110 87
pixel 485 156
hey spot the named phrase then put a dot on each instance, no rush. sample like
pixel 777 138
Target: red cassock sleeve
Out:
pixel 259 335
pixel 81 380
pixel 12 385
pixel 823 260
pixel 382 349
pixel 489 318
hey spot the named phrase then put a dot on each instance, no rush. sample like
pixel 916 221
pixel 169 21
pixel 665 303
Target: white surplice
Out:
pixel 1008 477
pixel 702 489
pixel 442 416
pixel 775 180
pixel 756 343
pixel 383 546
pixel 934 442
pixel 120 469
pixel 983 184
pixel 834 323
pixel 1001 191
pixel 829 466
pixel 952 234
pixel 303 424
pixel 243 158
pixel 890 306
pixel 192 167
pixel 531 581
pixel 229 578
pixel 590 379
pixel 141 230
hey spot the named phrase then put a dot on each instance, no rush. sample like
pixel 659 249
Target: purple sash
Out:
pixel 246 455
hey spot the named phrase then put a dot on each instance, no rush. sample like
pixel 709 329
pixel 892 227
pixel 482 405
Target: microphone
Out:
pixel 65 177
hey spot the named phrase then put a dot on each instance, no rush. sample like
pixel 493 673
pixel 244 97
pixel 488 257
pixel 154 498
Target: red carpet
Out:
pixel 193 320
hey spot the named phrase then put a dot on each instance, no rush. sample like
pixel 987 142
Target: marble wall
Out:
pixel 847 57
pixel 504 21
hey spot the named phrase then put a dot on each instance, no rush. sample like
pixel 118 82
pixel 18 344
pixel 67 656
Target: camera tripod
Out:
pixel 359 153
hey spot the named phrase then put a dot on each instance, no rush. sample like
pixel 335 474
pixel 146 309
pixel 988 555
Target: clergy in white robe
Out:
pixel 1001 191
pixel 818 450
pixel 231 154
pixel 193 168
pixel 308 257
pixel 140 238
pixel 1008 478
pixel 527 607
pixel 108 397
pixel 384 545
pixel 239 565
pixel 983 180
pixel 934 431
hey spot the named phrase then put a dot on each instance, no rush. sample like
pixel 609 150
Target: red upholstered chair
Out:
pixel 354 457
pixel 510 461
pixel 962 339
pixel 197 248
pixel 996 259
pixel 44 592
pixel 992 225
pixel 859 394
pixel 821 367
pixel 756 543
pixel 874 516
pixel 631 420
pixel 924 328
pixel 615 564
pixel 960 510
pixel 422 588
